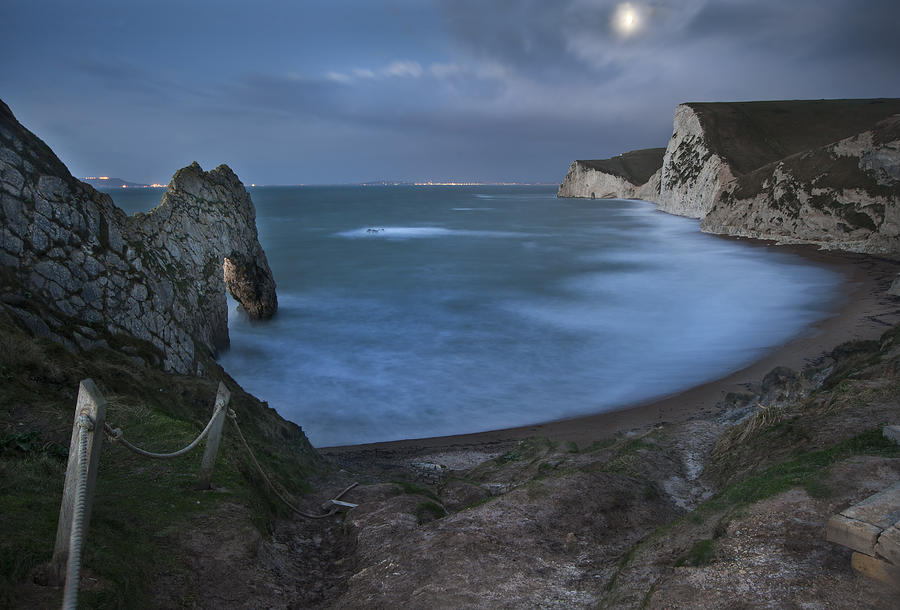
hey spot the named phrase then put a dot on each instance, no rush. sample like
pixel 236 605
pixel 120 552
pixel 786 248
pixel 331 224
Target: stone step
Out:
pixel 881 510
pixel 893 432
pixel 872 529
pixel 878 569
pixel 853 534
pixel 888 545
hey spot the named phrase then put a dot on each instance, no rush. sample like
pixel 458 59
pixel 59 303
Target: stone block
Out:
pixel 888 545
pixel 853 534
pixel 881 509
pixel 14 213
pixel 10 242
pixel 876 568
pixel 12 180
pixel 893 432
pixel 8 156
pixel 52 187
pixel 39 241
pixel 9 260
pixel 894 290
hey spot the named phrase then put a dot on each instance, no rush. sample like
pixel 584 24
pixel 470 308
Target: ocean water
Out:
pixel 409 312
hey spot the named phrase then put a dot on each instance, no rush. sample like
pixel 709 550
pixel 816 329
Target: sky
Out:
pixel 343 91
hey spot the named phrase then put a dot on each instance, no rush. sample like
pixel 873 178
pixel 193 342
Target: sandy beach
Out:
pixel 865 313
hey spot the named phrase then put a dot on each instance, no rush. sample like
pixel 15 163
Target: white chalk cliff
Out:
pixel 825 172
pixel 634 175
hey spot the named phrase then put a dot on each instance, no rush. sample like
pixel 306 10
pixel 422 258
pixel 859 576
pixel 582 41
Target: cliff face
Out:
pixel 822 172
pixel 714 143
pixel 691 172
pixel 845 195
pixel 630 175
pixel 158 277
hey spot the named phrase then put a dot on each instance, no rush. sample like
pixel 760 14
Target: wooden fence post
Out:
pixel 90 403
pixel 204 479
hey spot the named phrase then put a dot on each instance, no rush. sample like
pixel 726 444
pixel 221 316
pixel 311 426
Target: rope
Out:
pixel 73 568
pixel 233 417
pixel 115 435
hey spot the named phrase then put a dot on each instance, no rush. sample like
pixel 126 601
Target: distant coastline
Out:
pixel 106 182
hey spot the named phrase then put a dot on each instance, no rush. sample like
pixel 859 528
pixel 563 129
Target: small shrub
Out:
pixel 429 511
pixel 701 554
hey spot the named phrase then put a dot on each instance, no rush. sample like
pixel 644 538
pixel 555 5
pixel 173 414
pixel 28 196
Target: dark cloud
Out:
pixel 330 92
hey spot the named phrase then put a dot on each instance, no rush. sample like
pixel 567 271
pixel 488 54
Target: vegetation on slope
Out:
pixel 141 506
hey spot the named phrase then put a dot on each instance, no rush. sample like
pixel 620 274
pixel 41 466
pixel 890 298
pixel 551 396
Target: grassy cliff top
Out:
pixel 752 134
pixel 636 166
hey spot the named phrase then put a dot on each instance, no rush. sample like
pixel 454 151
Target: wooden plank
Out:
pixel 204 479
pixel 344 504
pixel 91 403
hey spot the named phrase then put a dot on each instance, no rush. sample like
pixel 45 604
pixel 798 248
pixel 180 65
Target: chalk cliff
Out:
pixel 845 194
pixel 817 171
pixel 626 176
pixel 158 277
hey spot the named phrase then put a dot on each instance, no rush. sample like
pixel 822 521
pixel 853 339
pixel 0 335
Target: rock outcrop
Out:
pixel 825 172
pixel 845 194
pixel 634 174
pixel 159 278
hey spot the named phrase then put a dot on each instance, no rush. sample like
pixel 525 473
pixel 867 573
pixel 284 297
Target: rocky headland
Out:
pixel 821 172
pixel 158 277
pixel 633 175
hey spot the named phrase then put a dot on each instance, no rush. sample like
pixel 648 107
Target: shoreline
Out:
pixel 865 313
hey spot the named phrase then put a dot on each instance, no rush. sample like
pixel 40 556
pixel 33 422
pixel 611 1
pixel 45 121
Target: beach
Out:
pixel 867 311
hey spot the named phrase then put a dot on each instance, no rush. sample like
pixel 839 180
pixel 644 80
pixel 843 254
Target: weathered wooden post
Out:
pixel 91 404
pixel 204 479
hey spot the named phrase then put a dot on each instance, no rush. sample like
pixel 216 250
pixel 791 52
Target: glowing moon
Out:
pixel 626 19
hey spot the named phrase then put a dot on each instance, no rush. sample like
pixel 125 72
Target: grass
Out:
pixel 627 455
pixel 807 470
pixel 27 518
pixel 701 554
pixel 804 470
pixel 141 505
pixel 405 487
pixel 526 449
pixel 429 511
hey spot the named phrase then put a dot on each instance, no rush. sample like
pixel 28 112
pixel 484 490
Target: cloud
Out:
pixel 363 73
pixel 569 39
pixel 444 70
pixel 403 69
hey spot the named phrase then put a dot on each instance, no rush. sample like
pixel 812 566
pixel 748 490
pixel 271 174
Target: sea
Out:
pixel 420 311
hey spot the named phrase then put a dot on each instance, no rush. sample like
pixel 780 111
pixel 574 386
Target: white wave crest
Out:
pixel 419 232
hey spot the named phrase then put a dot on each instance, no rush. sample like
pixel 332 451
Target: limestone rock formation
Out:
pixel 713 143
pixel 824 172
pixel 158 277
pixel 845 194
pixel 634 174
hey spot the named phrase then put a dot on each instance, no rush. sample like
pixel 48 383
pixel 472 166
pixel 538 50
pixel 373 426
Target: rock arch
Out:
pixel 159 277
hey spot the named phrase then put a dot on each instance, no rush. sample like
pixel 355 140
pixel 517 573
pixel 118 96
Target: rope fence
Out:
pixel 81 475
pixel 116 435
pixel 335 504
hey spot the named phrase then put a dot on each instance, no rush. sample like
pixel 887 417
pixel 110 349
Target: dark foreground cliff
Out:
pixel 138 305
pixel 823 172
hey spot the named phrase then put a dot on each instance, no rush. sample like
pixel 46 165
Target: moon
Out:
pixel 626 19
